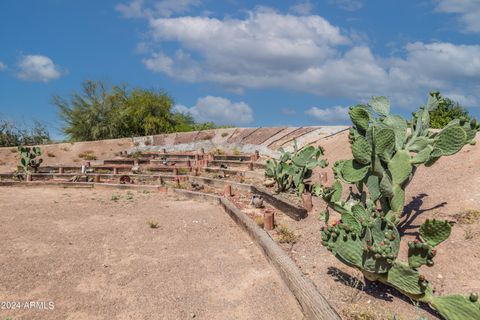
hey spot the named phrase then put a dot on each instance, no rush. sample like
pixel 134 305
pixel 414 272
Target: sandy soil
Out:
pixel 67 153
pixel 93 255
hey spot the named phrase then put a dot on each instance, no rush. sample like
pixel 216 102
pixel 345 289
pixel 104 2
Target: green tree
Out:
pixel 99 113
pixel 13 135
pixel 446 111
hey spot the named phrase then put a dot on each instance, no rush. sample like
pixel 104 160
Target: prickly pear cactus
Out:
pixel 386 151
pixel 292 169
pixel 28 159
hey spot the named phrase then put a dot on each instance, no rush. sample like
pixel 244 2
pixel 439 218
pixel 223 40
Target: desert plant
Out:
pixel 152 223
pixel 291 170
pixel 385 157
pixel 88 155
pixel 28 160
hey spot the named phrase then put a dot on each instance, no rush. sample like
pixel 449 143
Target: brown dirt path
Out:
pixel 96 258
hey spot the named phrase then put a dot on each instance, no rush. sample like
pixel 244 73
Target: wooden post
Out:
pixel 115 170
pixel 196 171
pixel 250 166
pixel 97 178
pixel 268 219
pixel 227 191
pixel 164 150
pixel 307 201
pixel 60 170
pixel 175 171
pixel 29 177
pixel 257 155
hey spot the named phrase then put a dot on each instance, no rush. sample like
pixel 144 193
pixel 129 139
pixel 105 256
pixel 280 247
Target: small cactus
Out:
pixel 28 159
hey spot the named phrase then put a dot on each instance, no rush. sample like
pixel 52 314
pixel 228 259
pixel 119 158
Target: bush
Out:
pixel 446 111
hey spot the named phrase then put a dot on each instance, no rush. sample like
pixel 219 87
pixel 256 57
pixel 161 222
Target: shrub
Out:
pixel 285 235
pixel 446 111
pixel 385 158
pixel 87 155
pixel 152 223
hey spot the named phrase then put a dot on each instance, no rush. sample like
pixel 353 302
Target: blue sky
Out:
pixel 249 63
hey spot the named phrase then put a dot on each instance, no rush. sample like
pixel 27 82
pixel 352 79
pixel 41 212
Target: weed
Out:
pixel 468 217
pixel 242 180
pixel 136 143
pixel 148 142
pixel 152 223
pixel 66 149
pixel 217 152
pixel 469 234
pixel 356 312
pixel 183 171
pixel 136 155
pixel 129 196
pixel 115 197
pixel 87 155
pixel 146 191
pixel 235 151
pixel 259 221
pixel 285 235
pixel 51 155
pixel 224 134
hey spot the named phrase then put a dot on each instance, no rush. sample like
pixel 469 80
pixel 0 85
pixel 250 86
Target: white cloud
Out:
pixel 303 8
pixel 468 11
pixel 349 5
pixel 219 110
pixel 149 8
pixel 267 49
pixel 288 111
pixel 335 114
pixel 37 68
pixel 3 66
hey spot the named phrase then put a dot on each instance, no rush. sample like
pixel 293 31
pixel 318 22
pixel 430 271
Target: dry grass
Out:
pixel 51 155
pixel 285 235
pixel 152 223
pixel 356 312
pixel 468 217
pixel 224 134
pixel 87 155
pixel 469 234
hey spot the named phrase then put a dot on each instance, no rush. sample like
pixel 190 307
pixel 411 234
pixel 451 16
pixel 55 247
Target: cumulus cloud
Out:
pixel 219 110
pixel 349 5
pixel 37 68
pixel 3 66
pixel 164 8
pixel 267 49
pixel 337 114
pixel 468 11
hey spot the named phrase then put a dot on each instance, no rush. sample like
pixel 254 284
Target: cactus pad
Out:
pixel 360 117
pixel 384 140
pixel 450 140
pixel 361 150
pixel 422 156
pixel 420 254
pixel 352 171
pixel 400 167
pixel 380 105
pixel 456 307
pixel 435 232
pixel 405 279
pixel 373 185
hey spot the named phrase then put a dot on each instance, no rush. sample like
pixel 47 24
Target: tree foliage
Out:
pixel 12 134
pixel 98 113
pixel 446 111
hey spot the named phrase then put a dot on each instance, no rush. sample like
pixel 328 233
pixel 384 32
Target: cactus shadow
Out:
pixel 376 289
pixel 412 211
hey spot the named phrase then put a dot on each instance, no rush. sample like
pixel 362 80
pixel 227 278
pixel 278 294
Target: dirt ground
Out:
pixel 68 154
pixel 92 255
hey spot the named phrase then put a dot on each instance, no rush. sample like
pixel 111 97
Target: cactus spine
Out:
pixel 386 151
